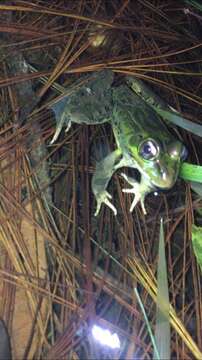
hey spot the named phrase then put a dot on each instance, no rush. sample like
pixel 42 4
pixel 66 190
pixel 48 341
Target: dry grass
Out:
pixel 61 268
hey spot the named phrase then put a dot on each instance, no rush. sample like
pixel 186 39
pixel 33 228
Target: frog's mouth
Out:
pixel 166 182
pixel 166 175
pixel 162 190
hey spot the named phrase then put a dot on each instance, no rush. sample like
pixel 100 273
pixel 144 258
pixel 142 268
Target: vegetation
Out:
pixel 62 269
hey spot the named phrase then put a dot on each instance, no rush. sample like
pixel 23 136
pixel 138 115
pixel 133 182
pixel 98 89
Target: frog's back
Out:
pixel 133 118
pixel 92 102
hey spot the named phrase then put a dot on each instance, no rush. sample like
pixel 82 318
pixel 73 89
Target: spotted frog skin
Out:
pixel 143 141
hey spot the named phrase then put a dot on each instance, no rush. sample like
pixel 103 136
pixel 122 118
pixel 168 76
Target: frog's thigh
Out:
pixel 105 170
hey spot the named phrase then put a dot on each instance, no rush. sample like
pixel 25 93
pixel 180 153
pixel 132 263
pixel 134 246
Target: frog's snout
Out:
pixel 168 179
pixel 167 167
pixel 166 175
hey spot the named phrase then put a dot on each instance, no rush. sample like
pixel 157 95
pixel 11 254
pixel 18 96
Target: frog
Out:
pixel 143 140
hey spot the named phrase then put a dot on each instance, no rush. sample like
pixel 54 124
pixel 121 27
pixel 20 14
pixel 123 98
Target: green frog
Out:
pixel 142 138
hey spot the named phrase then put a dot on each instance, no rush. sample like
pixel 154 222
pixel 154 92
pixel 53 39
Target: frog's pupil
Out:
pixel 148 150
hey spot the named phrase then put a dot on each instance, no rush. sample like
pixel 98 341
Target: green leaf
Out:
pixel 179 120
pixel 161 107
pixel 197 187
pixel 191 172
pixel 156 353
pixel 162 330
pixel 195 4
pixel 197 243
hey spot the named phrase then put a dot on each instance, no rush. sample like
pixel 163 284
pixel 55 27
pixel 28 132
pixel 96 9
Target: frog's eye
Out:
pixel 177 151
pixel 149 149
pixel 184 153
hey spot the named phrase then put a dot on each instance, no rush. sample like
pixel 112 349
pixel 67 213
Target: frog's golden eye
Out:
pixel 149 149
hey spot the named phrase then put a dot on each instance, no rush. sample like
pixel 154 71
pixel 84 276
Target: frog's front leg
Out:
pixel 102 176
pixel 62 117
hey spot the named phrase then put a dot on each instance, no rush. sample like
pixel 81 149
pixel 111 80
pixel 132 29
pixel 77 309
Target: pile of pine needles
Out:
pixel 62 269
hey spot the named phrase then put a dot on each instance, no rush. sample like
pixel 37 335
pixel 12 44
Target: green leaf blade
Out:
pixel 197 243
pixel 180 121
pixel 191 172
pixel 162 329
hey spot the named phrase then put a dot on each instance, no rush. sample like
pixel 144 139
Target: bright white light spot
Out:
pixel 89 91
pixel 174 154
pixel 105 337
pixel 155 193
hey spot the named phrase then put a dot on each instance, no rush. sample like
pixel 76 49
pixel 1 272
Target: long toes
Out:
pixel 129 191
pixel 143 208
pixel 129 179
pixel 68 126
pixel 108 195
pixel 55 136
pixel 105 199
pixel 111 206
pixel 132 207
pixel 97 211
pixel 134 203
pixel 124 176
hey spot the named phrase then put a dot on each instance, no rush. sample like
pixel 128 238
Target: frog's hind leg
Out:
pixel 101 178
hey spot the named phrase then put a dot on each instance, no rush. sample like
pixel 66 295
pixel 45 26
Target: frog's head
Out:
pixel 160 160
pixel 158 163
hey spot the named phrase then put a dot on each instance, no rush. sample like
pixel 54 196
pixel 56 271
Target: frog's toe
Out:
pixel 130 180
pixel 111 206
pixel 104 198
pixel 97 210
pixel 129 191
pixel 139 196
pixel 64 119
pixel 136 200
pixel 57 133
pixel 68 126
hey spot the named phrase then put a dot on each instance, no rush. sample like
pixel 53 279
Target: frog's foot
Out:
pixel 140 190
pixel 104 197
pixel 68 126
pixel 59 129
